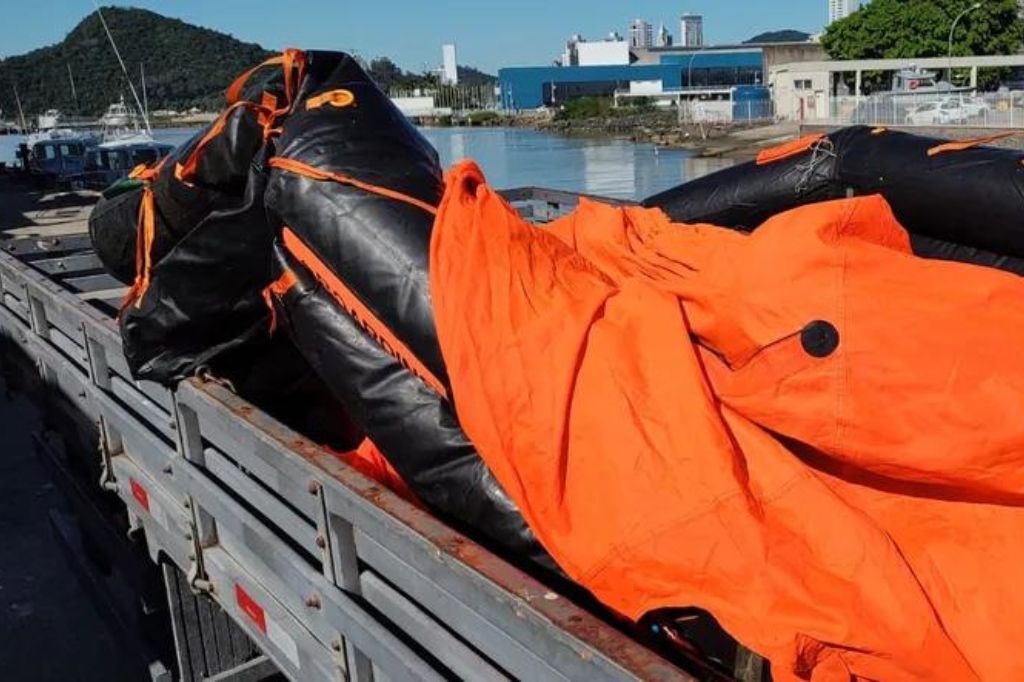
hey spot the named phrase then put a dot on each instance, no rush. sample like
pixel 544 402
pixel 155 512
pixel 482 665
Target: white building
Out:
pixel 691 30
pixel 840 9
pixel 449 65
pixel 602 52
pixel 665 38
pixel 641 34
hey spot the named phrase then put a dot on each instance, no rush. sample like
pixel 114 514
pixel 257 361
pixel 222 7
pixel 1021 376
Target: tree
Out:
pixel 886 29
pixel 385 73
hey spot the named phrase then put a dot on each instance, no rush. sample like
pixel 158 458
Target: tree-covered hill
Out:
pixel 185 65
pixel 784 36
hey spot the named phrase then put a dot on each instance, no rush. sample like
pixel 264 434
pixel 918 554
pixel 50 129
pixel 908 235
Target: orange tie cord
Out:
pixel 293 66
pixel 145 235
pixel 788 149
pixel 185 172
pixel 279 287
pixel 336 98
pixel 363 315
pixel 300 168
pixel 960 145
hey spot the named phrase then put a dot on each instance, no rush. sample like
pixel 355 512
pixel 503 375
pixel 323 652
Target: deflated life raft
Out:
pixel 933 187
pixel 807 431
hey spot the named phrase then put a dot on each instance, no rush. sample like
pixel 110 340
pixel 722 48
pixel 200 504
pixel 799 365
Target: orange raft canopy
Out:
pixel 807 431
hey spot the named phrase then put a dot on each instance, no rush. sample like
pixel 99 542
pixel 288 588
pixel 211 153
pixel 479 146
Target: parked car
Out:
pixel 939 113
pixel 974 106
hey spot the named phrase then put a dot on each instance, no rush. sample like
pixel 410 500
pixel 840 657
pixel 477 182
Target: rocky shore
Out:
pixel 728 140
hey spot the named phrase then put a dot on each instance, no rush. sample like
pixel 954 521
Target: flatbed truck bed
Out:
pixel 329 574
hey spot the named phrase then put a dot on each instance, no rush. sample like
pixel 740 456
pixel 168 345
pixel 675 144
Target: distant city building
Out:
pixel 665 38
pixel 840 9
pixel 691 30
pixel 613 51
pixel 641 34
pixel 570 55
pixel 449 65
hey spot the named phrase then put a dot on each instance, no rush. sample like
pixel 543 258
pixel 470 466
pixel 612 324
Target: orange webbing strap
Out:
pixel 145 235
pixel 967 144
pixel 788 149
pixel 234 92
pixel 279 287
pixel 293 66
pixel 336 98
pixel 186 171
pixel 300 168
pixel 363 315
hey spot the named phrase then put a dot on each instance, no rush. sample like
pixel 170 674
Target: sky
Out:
pixel 489 33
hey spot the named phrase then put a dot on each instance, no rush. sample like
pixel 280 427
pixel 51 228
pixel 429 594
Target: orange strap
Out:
pixel 279 287
pixel 960 145
pixel 300 168
pixel 145 235
pixel 234 92
pixel 336 98
pixel 363 315
pixel 788 149
pixel 293 65
pixel 185 172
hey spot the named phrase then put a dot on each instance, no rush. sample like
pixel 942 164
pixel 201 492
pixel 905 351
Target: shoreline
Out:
pixel 660 128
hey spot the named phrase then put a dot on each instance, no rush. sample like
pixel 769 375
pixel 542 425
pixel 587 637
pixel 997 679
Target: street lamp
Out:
pixel 952 28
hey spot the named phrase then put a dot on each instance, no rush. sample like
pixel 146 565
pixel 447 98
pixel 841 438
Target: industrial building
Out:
pixel 604 68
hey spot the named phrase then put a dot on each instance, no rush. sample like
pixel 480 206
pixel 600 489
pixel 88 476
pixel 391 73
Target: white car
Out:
pixel 974 106
pixel 938 113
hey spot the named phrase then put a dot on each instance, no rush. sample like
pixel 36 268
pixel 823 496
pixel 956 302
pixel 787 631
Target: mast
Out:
pixel 74 93
pixel 145 99
pixel 21 112
pixel 124 69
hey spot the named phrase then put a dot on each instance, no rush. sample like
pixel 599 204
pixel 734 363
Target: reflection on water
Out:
pixel 516 157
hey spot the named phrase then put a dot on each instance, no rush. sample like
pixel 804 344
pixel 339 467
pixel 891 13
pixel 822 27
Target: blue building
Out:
pixel 532 87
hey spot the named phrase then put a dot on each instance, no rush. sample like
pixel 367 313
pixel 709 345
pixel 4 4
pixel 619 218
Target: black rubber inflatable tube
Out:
pixel 962 204
pixel 413 426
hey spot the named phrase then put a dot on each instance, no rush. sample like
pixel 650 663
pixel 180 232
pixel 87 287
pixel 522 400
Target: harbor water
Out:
pixel 517 157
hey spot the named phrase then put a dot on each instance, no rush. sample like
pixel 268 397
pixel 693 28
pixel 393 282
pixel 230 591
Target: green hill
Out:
pixel 185 65
pixel 784 36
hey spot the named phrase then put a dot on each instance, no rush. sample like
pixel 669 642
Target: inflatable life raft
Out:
pixel 318 159
pixel 329 215
pixel 933 187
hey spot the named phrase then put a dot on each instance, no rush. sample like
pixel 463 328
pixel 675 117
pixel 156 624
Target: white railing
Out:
pixel 983 110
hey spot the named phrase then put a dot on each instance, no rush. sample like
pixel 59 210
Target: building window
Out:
pixel 803 84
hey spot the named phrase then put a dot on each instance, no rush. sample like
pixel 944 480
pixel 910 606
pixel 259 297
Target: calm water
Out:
pixel 514 157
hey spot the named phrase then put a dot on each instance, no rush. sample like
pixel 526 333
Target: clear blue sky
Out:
pixel 489 33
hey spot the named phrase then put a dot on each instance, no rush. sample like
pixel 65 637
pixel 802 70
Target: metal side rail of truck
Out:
pixel 328 574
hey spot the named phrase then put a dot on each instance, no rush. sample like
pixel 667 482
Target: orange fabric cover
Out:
pixel 623 377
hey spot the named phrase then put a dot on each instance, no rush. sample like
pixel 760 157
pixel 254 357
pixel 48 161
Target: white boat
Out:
pixel 49 120
pixel 118 115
